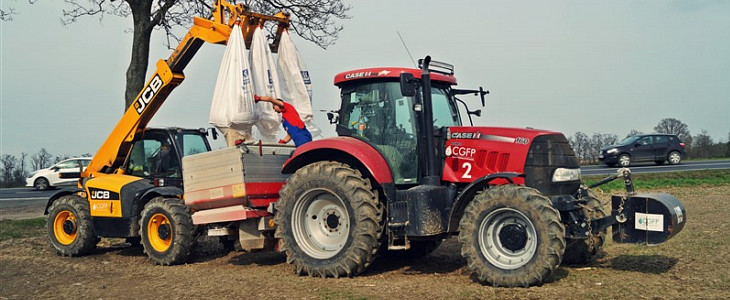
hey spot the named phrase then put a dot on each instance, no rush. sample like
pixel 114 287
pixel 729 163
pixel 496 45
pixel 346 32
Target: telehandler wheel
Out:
pixel 511 236
pixel 581 251
pixel 329 220
pixel 70 228
pixel 167 231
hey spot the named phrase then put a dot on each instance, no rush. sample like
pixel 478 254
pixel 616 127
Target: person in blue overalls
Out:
pixel 295 129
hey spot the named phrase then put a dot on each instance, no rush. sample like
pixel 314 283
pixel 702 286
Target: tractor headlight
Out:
pixel 612 150
pixel 563 174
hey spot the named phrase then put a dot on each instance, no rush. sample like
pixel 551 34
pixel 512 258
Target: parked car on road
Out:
pixel 47 178
pixel 655 147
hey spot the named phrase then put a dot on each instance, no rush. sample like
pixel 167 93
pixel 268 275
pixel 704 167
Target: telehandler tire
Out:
pixel 511 236
pixel 582 251
pixel 167 231
pixel 329 220
pixel 70 228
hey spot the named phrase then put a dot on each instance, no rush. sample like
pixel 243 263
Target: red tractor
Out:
pixel 404 174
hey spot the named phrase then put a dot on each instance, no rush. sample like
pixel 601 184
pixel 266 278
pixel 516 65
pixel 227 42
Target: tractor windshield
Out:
pixel 379 114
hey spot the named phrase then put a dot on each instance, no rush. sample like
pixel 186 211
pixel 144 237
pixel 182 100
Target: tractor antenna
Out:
pixel 409 51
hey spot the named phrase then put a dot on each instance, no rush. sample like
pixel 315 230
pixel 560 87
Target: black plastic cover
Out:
pixel 547 153
pixel 651 218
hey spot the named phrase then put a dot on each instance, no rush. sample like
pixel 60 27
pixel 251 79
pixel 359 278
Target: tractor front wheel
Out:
pixel 167 231
pixel 70 228
pixel 511 236
pixel 329 220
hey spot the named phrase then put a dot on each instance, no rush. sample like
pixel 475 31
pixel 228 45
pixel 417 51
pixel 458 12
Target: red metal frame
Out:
pixel 388 72
pixel 359 150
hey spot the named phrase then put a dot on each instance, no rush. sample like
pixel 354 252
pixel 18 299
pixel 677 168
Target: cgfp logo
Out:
pixel 149 92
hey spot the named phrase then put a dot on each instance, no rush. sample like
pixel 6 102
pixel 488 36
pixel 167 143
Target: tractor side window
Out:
pixel 193 144
pixel 444 114
pixel 379 114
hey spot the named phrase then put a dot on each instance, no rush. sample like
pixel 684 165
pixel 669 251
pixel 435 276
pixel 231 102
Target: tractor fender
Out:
pixel 59 194
pixel 343 149
pixel 466 195
pixel 144 196
pixel 349 150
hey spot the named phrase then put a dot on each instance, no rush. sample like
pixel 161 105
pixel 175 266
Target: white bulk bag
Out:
pixel 233 106
pixel 296 85
pixel 265 83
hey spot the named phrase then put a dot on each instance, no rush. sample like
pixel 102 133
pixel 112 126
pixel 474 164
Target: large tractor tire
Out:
pixel 167 231
pixel 582 251
pixel 329 220
pixel 511 236
pixel 70 228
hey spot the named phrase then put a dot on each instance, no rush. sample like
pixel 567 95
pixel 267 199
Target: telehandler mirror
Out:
pixel 477 112
pixel 407 85
pixel 214 133
pixel 332 118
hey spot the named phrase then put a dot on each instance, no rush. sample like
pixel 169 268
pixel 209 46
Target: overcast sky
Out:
pixel 590 66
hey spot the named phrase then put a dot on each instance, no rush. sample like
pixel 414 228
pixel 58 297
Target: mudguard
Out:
pixel 345 149
pixel 59 194
pixel 463 199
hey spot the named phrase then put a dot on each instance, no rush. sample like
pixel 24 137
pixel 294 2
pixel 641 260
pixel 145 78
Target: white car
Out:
pixel 44 179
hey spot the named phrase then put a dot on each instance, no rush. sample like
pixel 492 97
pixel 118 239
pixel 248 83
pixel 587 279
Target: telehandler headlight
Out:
pixel 563 174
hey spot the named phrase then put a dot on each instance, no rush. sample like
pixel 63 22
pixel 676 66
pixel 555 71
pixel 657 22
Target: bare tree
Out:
pixel 20 172
pixel 312 20
pixel 41 159
pixel 6 13
pixel 61 157
pixel 634 132
pixel 674 126
pixel 8 163
pixel 580 143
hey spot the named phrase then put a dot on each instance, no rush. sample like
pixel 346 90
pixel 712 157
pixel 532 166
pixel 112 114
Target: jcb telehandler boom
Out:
pixel 136 174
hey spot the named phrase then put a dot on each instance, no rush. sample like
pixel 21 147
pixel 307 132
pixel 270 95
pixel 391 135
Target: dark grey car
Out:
pixel 657 147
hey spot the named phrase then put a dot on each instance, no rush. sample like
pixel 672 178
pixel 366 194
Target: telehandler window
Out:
pixel 153 157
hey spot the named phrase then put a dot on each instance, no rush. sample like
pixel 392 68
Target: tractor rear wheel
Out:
pixel 70 228
pixel 167 231
pixel 581 251
pixel 511 236
pixel 329 220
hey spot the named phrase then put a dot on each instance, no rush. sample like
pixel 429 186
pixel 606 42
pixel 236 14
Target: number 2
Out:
pixel 467 166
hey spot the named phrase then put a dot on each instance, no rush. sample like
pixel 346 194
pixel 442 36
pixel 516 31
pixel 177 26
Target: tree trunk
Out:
pixel 141 12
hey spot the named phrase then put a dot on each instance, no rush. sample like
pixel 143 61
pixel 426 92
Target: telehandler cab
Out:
pixel 403 174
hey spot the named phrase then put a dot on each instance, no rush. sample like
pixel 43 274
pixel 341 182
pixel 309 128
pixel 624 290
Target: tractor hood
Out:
pixel 474 152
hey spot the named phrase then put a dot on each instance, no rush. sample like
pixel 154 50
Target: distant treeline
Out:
pixel 700 145
pixel 14 169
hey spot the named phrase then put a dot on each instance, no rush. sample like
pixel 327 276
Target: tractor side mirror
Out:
pixel 213 133
pixel 332 117
pixel 407 85
pixel 477 112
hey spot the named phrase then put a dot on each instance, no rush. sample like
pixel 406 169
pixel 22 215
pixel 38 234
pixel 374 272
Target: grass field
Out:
pixel 693 265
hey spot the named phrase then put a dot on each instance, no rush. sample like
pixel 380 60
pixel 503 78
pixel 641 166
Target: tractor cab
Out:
pixel 375 110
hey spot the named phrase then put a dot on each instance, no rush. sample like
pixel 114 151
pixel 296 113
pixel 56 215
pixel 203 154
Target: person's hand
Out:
pixel 282 141
pixel 256 98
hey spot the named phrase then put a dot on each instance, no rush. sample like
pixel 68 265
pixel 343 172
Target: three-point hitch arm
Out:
pixel 169 74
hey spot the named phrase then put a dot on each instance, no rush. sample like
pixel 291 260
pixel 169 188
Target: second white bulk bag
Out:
pixel 296 87
pixel 265 83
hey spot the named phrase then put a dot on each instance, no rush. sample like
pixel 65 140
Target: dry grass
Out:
pixel 693 265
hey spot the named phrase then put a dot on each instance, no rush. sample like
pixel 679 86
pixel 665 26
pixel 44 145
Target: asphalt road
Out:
pixel 17 198
pixel 651 167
